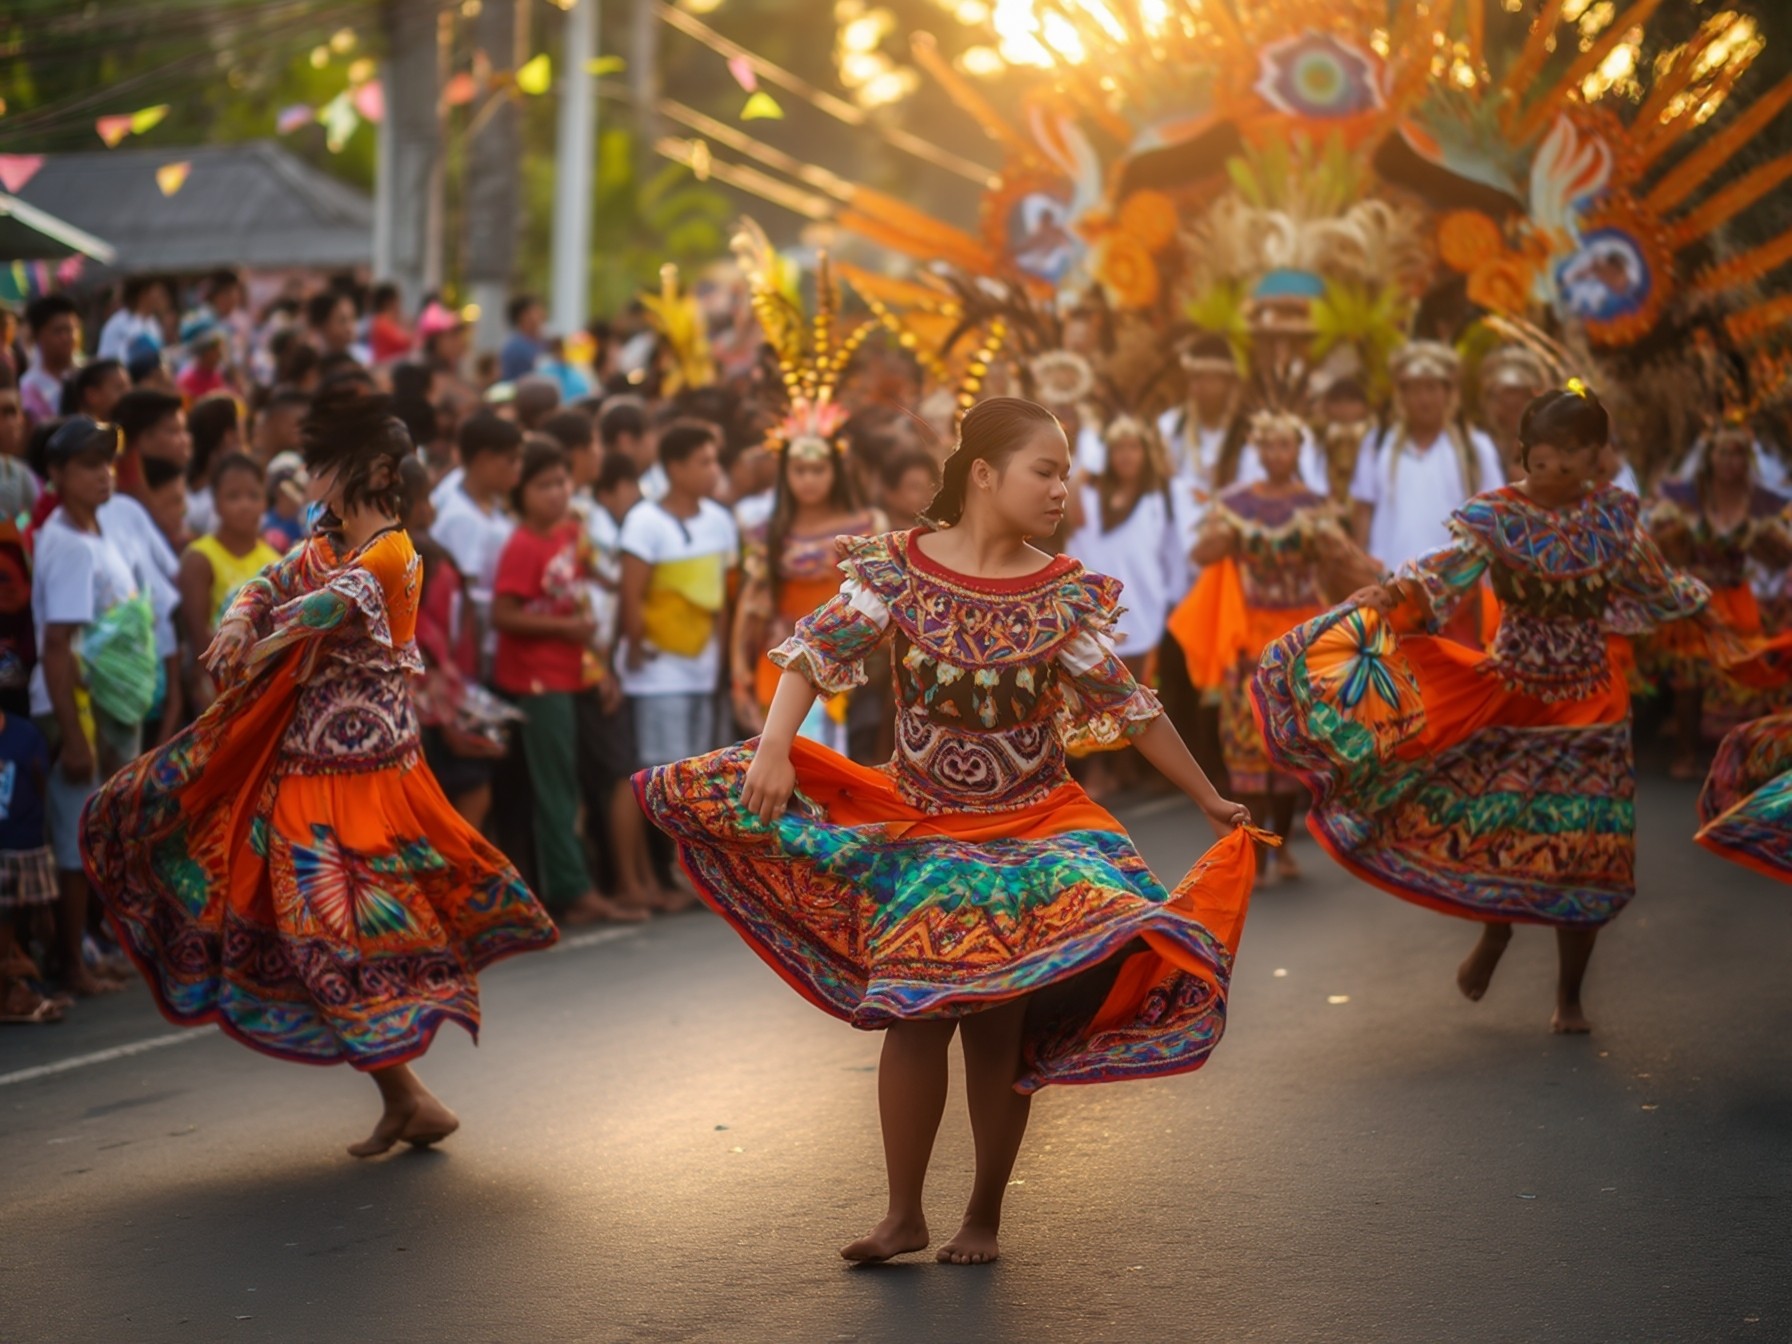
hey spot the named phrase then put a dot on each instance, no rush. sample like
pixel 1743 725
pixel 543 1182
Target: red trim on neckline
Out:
pixel 1060 565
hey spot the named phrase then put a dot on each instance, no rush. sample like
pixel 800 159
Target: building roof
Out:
pixel 246 205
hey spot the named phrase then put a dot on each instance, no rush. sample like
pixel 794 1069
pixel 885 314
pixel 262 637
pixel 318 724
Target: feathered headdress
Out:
pixel 683 332
pixel 812 354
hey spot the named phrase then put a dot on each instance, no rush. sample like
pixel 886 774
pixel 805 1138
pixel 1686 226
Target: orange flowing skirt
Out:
pixel 324 918
pixel 877 912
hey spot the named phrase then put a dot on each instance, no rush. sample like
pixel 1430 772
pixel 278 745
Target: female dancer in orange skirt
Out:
pixel 1712 526
pixel 1745 811
pixel 1497 786
pixel 789 568
pixel 287 867
pixel 969 884
pixel 1260 549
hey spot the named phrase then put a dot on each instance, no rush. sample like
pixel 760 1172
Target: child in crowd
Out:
pixel 676 558
pixel 222 560
pixel 27 868
pixel 911 480
pixel 216 426
pixel 96 670
pixel 283 525
pixel 19 487
pixel 472 523
pixel 544 629
pixel 204 373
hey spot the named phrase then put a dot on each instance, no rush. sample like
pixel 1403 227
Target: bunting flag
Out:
pixel 291 118
pixel 459 90
pixel 605 65
pixel 171 177
pixel 113 129
pixel 535 75
pixel 762 107
pixel 340 121
pixel 69 269
pixel 18 169
pixel 370 101
pixel 147 119
pixel 744 74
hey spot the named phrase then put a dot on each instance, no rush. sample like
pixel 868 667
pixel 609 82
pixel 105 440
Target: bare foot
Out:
pixel 1287 866
pixel 594 908
pixel 419 1121
pixel 1569 1020
pixel 1476 972
pixel 894 1236
pixel 84 984
pixel 975 1244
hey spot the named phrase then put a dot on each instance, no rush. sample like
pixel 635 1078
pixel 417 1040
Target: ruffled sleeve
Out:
pixel 279 582
pixel 375 588
pixel 1103 707
pixel 1445 577
pixel 1647 592
pixel 829 645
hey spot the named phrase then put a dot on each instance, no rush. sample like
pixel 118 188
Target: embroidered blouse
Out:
pixel 1276 552
pixel 355 618
pixel 995 679
pixel 1720 557
pixel 1565 578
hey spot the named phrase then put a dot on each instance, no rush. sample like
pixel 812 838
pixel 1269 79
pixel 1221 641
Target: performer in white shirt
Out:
pixel 1434 460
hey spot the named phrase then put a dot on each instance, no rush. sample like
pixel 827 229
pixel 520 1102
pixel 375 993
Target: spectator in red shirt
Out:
pixel 387 335
pixel 541 612
pixel 204 373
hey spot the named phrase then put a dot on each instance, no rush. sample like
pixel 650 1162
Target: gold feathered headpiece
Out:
pixel 683 331
pixel 812 354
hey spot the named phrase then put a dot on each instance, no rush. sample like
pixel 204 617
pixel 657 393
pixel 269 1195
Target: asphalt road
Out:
pixel 661 1142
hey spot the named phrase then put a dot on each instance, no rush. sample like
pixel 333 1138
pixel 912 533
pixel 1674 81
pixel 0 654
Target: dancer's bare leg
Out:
pixel 1689 727
pixel 634 865
pixel 1476 972
pixel 1280 814
pixel 1574 949
pixel 413 1114
pixel 998 1124
pixel 71 927
pixel 911 1098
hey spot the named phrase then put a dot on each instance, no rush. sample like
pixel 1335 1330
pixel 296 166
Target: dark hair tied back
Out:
pixel 352 432
pixel 1563 419
pixel 992 431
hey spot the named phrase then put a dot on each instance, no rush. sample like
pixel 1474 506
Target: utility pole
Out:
pixel 575 155
pixel 493 182
pixel 407 234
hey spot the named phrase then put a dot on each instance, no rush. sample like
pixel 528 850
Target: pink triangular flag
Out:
pixel 291 118
pixel 113 129
pixel 744 74
pixel 18 169
pixel 370 101
pixel 68 270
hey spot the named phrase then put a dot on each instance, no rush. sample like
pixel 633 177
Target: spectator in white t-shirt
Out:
pixel 1413 475
pixel 81 579
pixel 146 302
pixel 472 520
pixel 676 555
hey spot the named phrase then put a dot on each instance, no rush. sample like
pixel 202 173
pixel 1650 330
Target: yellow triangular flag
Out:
pixel 762 107
pixel 535 75
pixel 148 119
pixel 171 177
pixel 605 65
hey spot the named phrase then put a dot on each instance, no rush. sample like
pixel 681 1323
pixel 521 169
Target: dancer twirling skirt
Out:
pixel 1496 786
pixel 1745 810
pixel 969 882
pixel 288 867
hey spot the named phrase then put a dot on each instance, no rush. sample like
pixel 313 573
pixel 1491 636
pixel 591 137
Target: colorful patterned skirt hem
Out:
pixel 877 912
pixel 1745 811
pixel 326 919
pixel 1437 783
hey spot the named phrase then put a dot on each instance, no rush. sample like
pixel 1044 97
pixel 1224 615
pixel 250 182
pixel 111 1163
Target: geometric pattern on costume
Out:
pixel 1497 787
pixel 970 870
pixel 288 867
pixel 1745 810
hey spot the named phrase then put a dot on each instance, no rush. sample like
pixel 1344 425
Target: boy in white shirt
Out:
pixel 676 556
pixel 472 516
pixel 81 579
